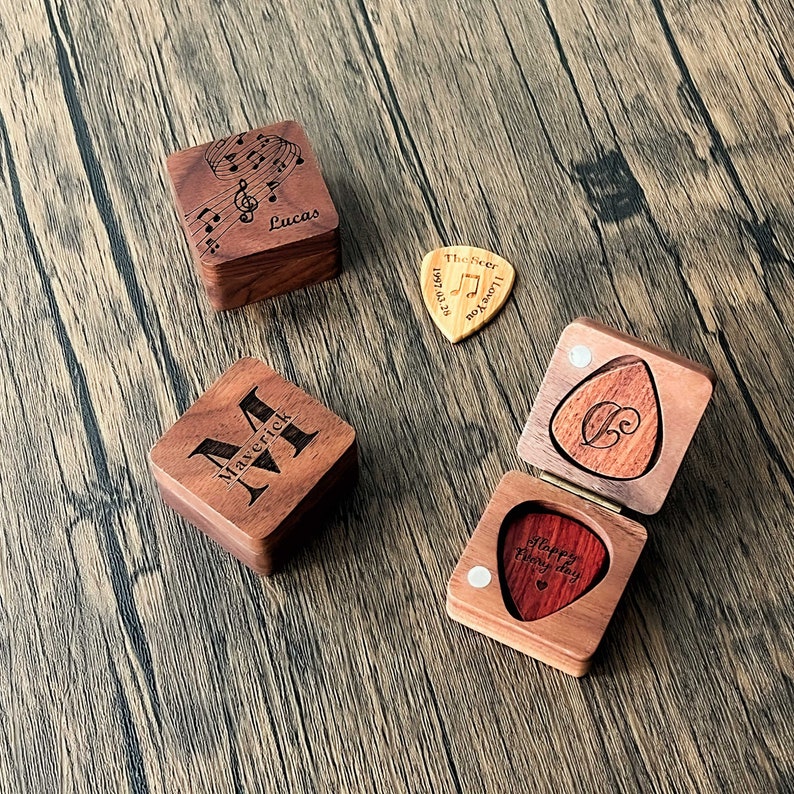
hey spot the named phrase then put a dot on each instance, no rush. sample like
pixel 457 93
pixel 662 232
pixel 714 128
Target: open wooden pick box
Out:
pixel 548 562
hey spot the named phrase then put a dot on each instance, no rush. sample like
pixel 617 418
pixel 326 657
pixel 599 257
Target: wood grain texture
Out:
pixel 632 160
pixel 620 423
pixel 256 214
pixel 565 638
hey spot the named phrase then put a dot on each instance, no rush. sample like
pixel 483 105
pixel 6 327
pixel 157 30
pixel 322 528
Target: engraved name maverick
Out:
pixel 234 461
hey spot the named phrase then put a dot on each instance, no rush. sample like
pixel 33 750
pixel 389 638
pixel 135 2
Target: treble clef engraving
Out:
pixel 606 422
pixel 245 202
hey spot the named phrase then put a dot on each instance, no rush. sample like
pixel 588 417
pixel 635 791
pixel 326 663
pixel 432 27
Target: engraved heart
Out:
pixel 610 423
pixel 464 288
pixel 546 561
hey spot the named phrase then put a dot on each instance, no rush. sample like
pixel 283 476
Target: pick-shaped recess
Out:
pixel 464 288
pixel 546 561
pixel 610 423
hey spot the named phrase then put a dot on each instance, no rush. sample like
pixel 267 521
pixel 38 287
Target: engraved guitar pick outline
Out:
pixel 464 288
pixel 606 423
pixel 554 548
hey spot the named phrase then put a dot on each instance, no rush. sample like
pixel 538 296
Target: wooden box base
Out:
pixel 482 595
pixel 292 269
pixel 266 556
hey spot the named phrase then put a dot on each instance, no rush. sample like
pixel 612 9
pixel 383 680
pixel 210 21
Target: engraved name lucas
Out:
pixel 250 463
pixel 249 168
pixel 302 217
pixel 544 557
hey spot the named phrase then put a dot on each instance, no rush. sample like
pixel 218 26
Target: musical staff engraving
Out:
pixel 248 169
pixel 214 219
pixel 255 159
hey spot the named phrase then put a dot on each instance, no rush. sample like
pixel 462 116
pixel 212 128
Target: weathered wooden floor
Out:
pixel 632 159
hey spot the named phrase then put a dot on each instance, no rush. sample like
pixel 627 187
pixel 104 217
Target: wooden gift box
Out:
pixel 256 213
pixel 550 558
pixel 254 462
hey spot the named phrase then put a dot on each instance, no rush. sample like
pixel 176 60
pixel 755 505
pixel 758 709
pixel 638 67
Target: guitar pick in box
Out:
pixel 550 558
pixel 256 213
pixel 254 463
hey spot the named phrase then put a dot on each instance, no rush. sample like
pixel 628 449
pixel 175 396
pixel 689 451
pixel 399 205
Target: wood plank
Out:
pixel 631 160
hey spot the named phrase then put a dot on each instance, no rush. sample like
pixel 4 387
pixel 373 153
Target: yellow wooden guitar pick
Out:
pixel 464 288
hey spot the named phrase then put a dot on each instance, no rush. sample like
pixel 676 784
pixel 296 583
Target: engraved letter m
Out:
pixel 220 453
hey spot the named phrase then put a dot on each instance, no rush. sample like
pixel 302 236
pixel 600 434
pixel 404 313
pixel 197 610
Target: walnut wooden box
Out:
pixel 254 462
pixel 256 213
pixel 549 560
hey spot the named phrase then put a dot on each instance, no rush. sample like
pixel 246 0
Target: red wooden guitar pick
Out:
pixel 547 561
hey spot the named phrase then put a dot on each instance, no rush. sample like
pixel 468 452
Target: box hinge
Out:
pixel 579 491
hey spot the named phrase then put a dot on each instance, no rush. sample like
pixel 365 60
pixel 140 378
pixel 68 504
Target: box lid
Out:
pixel 251 454
pixel 250 195
pixel 615 415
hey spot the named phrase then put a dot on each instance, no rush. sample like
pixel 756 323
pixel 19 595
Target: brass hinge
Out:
pixel 575 489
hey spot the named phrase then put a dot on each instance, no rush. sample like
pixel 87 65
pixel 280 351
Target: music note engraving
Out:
pixel 256 159
pixel 466 277
pixel 246 203
pixel 214 217
pixel 247 168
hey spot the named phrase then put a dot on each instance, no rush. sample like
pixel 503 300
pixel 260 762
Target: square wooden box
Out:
pixel 548 561
pixel 254 462
pixel 256 213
